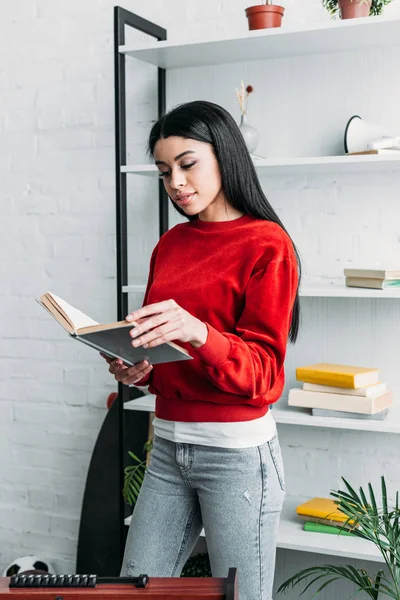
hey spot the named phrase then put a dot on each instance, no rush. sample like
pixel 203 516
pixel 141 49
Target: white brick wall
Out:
pixel 58 232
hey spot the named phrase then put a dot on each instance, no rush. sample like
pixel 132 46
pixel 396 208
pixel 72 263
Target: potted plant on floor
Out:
pixel 264 15
pixel 381 526
pixel 348 9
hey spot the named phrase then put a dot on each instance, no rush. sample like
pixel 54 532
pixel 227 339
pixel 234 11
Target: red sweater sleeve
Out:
pixel 248 361
pixel 146 380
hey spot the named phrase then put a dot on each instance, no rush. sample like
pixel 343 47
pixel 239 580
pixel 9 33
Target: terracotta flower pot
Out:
pixel 350 9
pixel 264 16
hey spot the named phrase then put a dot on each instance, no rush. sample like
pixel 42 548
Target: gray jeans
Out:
pixel 235 494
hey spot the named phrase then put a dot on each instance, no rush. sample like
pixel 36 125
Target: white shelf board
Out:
pixel 329 289
pixel 134 289
pixel 291 536
pixel 334 289
pixel 291 415
pixel 303 417
pixel 335 165
pixel 140 169
pixel 145 403
pixel 314 38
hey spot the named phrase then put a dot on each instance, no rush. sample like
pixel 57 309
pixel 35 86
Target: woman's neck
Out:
pixel 224 213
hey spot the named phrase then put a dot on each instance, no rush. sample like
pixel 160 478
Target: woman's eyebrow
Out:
pixel 161 162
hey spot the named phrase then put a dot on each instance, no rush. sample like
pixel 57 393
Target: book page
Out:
pixel 77 317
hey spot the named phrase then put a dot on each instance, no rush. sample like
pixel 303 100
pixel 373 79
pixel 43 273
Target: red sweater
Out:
pixel 240 278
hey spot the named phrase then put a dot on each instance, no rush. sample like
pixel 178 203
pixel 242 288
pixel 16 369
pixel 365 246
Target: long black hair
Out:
pixel 210 123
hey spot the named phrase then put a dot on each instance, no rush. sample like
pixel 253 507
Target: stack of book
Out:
pixel 379 279
pixel 323 516
pixel 345 391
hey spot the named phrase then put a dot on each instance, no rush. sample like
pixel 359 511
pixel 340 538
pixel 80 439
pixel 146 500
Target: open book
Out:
pixel 112 339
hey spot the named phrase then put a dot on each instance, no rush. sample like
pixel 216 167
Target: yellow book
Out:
pixel 338 375
pixel 321 508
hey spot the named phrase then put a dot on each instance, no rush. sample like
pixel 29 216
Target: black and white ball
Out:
pixel 28 563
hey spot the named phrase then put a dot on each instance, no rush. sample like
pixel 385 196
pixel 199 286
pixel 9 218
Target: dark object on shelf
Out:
pixel 68 581
pixel 197 566
pixel 99 548
pixel 359 133
pixel 220 588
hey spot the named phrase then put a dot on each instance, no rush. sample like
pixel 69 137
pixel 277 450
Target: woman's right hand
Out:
pixel 124 374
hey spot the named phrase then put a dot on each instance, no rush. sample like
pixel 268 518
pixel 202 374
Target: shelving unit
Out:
pixel 291 536
pixel 302 417
pixel 333 289
pixel 312 38
pixel 328 289
pixel 314 165
pixel 329 37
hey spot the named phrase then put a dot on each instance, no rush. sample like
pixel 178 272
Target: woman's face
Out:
pixel 191 175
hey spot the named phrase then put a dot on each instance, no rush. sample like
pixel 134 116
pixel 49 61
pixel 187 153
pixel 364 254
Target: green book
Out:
pixel 321 528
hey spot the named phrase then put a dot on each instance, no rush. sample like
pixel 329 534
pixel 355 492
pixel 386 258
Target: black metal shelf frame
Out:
pixel 123 18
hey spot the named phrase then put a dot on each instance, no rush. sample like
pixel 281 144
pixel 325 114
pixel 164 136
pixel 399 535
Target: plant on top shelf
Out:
pixel 347 9
pixel 381 526
pixel 264 15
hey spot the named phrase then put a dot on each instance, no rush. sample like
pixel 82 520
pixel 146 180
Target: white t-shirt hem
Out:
pixel 238 434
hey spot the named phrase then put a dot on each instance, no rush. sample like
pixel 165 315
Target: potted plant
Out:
pixel 197 565
pixel 348 9
pixel 263 16
pixel 378 525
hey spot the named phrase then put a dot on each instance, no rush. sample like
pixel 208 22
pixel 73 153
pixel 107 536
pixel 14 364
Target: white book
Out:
pixel 370 282
pixel 367 391
pixel 341 414
pixel 344 402
pixel 373 273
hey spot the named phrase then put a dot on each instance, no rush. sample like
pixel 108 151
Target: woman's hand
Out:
pixel 166 321
pixel 123 373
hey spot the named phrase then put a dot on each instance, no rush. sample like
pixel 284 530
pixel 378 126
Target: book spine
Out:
pixel 332 522
pixel 367 391
pixel 340 414
pixel 325 378
pixel 350 404
pixel 320 528
pixel 364 282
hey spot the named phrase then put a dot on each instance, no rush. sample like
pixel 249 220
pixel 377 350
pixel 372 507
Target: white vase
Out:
pixel 249 133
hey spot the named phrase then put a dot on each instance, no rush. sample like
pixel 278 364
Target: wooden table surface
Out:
pixel 176 588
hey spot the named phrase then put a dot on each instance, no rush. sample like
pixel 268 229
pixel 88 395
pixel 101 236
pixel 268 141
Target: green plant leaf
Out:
pixel 133 479
pixel 361 580
pixel 384 496
pixel 373 501
pixel 324 585
pixel 380 526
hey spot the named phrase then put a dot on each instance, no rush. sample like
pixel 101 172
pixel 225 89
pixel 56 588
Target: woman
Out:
pixel 223 285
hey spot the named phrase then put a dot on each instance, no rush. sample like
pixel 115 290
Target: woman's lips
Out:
pixel 184 199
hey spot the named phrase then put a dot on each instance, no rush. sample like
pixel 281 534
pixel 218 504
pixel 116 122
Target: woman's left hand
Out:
pixel 166 321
